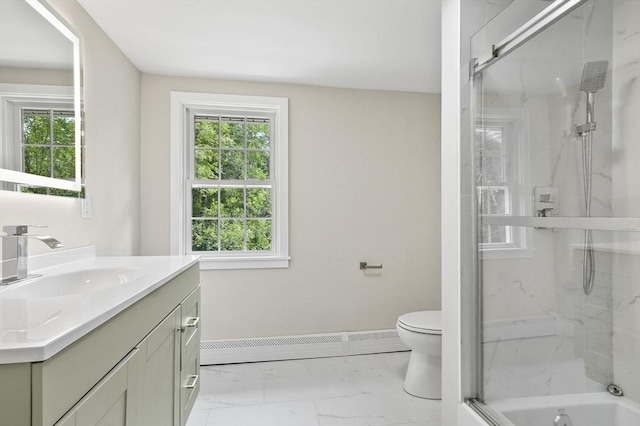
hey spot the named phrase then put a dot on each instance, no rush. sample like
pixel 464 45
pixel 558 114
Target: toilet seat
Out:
pixel 425 322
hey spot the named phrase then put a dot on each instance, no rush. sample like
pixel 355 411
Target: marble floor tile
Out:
pixel 297 413
pixel 375 410
pixel 216 393
pixel 198 417
pixel 323 366
pixel 258 369
pixel 355 390
pixel 278 389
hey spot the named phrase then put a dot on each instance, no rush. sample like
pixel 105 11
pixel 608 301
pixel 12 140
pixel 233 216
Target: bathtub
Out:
pixel 589 409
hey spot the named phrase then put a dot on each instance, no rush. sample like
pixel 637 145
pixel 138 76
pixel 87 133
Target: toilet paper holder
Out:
pixel 365 265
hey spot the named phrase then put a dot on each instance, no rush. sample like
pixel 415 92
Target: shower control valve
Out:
pixel 545 200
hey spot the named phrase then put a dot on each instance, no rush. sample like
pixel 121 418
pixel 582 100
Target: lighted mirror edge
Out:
pixel 35 180
pixel 29 179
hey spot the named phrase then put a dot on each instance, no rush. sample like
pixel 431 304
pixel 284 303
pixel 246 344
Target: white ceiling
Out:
pixel 364 44
pixel 28 40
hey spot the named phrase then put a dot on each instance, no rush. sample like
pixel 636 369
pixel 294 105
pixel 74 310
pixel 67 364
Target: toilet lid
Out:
pixel 428 322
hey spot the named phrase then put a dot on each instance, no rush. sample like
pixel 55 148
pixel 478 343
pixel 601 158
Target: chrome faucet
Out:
pixel 14 252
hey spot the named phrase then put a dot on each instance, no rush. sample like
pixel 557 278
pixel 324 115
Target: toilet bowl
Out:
pixel 422 333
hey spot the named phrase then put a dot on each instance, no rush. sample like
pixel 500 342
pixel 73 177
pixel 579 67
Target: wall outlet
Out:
pixel 86 207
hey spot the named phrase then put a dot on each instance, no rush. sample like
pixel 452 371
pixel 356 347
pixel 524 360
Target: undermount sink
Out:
pixel 75 283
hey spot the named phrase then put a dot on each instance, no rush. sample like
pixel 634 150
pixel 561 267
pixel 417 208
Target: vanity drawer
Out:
pixel 190 323
pixel 190 386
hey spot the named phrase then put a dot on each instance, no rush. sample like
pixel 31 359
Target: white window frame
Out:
pixel 515 127
pixel 182 105
pixel 13 98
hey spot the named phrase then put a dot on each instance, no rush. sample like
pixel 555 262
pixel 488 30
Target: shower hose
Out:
pixel 588 264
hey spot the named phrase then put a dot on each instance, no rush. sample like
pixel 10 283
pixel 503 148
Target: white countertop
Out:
pixel 35 328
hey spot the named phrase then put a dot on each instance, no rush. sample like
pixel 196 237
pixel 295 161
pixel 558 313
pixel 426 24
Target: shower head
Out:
pixel 594 75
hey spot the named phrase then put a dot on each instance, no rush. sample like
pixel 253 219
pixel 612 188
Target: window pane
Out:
pixel 206 134
pixel 206 164
pixel 63 193
pixel 64 166
pixel 493 200
pixel 259 202
pixel 232 165
pixel 231 193
pixel 232 235
pixel 204 235
pixel 496 201
pixel 64 129
pixel 258 136
pixel 233 134
pixel 497 234
pixel 258 165
pixel 37 160
pixel 204 202
pixel 493 170
pixel 490 157
pixel 33 189
pixel 232 202
pixel 259 235
pixel 36 127
pixel 484 234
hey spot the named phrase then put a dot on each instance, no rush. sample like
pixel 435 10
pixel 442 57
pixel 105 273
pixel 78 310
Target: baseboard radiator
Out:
pixel 297 347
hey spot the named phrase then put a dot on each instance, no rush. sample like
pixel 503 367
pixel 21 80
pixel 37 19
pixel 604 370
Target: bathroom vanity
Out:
pixel 102 341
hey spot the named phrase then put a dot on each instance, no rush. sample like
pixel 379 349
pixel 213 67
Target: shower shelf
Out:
pixel 625 224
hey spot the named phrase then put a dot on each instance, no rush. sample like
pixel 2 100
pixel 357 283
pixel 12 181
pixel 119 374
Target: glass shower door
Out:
pixel 557 181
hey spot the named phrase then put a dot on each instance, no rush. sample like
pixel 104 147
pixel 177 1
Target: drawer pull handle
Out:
pixel 191 322
pixel 192 381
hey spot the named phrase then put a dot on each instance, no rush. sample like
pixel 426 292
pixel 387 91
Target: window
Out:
pixel 229 176
pixel 47 145
pixel 501 177
pixel 38 137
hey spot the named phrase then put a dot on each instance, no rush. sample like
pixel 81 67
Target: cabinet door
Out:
pixel 155 372
pixel 108 401
pixel 190 356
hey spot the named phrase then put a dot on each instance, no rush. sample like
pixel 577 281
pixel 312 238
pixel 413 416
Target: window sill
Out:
pixel 255 262
pixel 505 253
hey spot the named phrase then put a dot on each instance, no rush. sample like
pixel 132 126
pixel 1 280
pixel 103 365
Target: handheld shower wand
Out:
pixel 594 75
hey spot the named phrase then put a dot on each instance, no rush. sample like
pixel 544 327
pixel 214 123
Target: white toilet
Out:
pixel 422 333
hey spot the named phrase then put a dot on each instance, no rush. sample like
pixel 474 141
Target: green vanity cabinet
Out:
pixel 139 367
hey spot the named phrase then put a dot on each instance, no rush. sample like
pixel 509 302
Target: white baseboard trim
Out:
pixel 298 347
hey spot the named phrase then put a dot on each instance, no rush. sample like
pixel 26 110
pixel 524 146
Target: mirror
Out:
pixel 40 100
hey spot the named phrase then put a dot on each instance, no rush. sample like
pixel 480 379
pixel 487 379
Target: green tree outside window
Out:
pixel 48 147
pixel 231 203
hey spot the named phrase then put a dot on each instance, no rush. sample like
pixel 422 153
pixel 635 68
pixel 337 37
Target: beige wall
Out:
pixel 12 75
pixel 112 110
pixel 364 186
